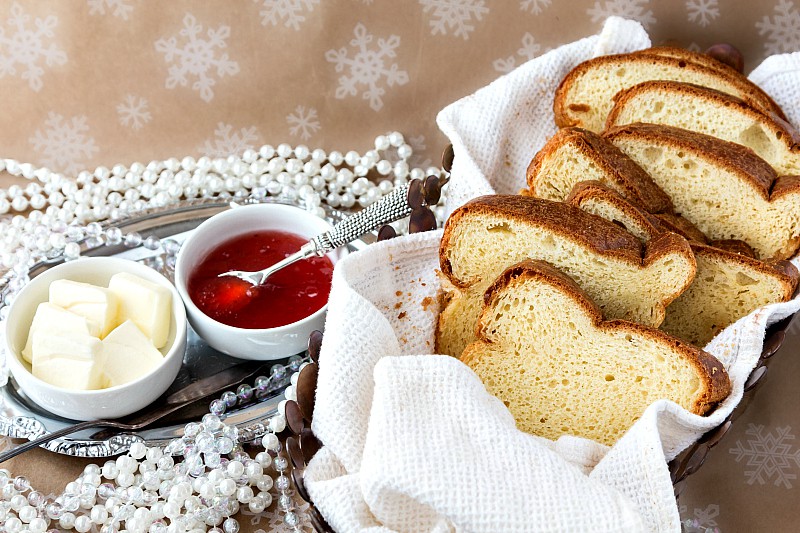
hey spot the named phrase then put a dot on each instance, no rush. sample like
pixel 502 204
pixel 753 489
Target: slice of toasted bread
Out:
pixel 586 94
pixel 545 350
pixel 728 284
pixel 575 154
pixel 723 188
pixel 489 233
pixel 713 113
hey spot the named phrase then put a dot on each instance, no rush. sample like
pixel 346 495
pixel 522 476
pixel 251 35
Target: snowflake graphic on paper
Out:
pixel 367 67
pixel 534 6
pixel 303 122
pixel 769 455
pixel 456 15
pixel 782 30
pixel 702 12
pixel 64 144
pixel 118 8
pixel 196 57
pixel 27 47
pixel 288 11
pixel 277 523
pixel 418 157
pixel 703 520
pixel 530 49
pixel 228 142
pixel 133 112
pixel 630 9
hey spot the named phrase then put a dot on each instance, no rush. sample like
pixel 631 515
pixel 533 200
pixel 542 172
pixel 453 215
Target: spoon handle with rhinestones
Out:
pixel 390 208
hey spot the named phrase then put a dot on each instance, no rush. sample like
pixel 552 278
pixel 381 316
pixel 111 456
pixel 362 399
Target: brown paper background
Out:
pixel 106 50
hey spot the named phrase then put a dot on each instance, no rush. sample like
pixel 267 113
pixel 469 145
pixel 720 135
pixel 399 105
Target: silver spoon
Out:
pixel 391 207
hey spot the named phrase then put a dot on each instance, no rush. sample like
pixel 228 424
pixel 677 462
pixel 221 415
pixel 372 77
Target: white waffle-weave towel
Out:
pixel 413 442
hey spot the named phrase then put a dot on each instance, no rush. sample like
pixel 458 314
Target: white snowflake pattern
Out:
pixel 133 112
pixel 534 6
pixel 694 47
pixel 196 57
pixel 702 12
pixel 418 157
pixel 782 30
pixel 769 454
pixel 631 9
pixel 702 521
pixel 303 122
pixel 456 15
pixel 228 142
pixel 64 144
pixel 288 11
pixel 26 47
pixel 367 67
pixel 118 8
pixel 530 48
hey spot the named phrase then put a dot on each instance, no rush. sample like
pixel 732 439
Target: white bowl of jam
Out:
pixel 270 321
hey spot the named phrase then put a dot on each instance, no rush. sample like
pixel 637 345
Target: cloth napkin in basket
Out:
pixel 413 442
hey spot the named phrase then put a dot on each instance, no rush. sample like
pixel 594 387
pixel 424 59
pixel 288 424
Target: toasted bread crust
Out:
pixel 735 158
pixel 731 250
pixel 595 233
pixel 747 90
pixel 624 172
pixel 715 380
pixel 784 185
pixel 768 104
pixel 735 254
pixel 786 272
pixel 587 190
pixel 783 130
pixel 681 226
pixel 688 55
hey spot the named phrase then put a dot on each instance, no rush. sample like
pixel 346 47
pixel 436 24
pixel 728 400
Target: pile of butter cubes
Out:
pixel 88 337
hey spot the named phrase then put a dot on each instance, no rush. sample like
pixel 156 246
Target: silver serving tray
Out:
pixel 21 418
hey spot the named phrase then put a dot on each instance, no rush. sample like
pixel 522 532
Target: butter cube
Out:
pixel 69 359
pixel 147 304
pixel 54 320
pixel 128 354
pixel 97 304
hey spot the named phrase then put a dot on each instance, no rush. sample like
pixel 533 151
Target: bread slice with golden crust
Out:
pixel 703 110
pixel 545 350
pixel 728 285
pixel 576 154
pixel 586 94
pixel 489 233
pixel 694 57
pixel 724 189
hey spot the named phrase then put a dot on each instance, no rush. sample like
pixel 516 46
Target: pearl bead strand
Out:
pixel 63 213
pixel 147 490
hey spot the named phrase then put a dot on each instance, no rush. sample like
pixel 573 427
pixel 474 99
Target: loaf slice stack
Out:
pixel 576 154
pixel 723 188
pixel 713 113
pixel 727 286
pixel 586 95
pixel 488 234
pixel 545 350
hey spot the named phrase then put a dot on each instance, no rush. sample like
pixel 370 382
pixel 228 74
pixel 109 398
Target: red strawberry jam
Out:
pixel 287 296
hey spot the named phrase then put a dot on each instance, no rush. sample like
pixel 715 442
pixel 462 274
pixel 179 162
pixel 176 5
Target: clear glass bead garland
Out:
pixel 147 490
